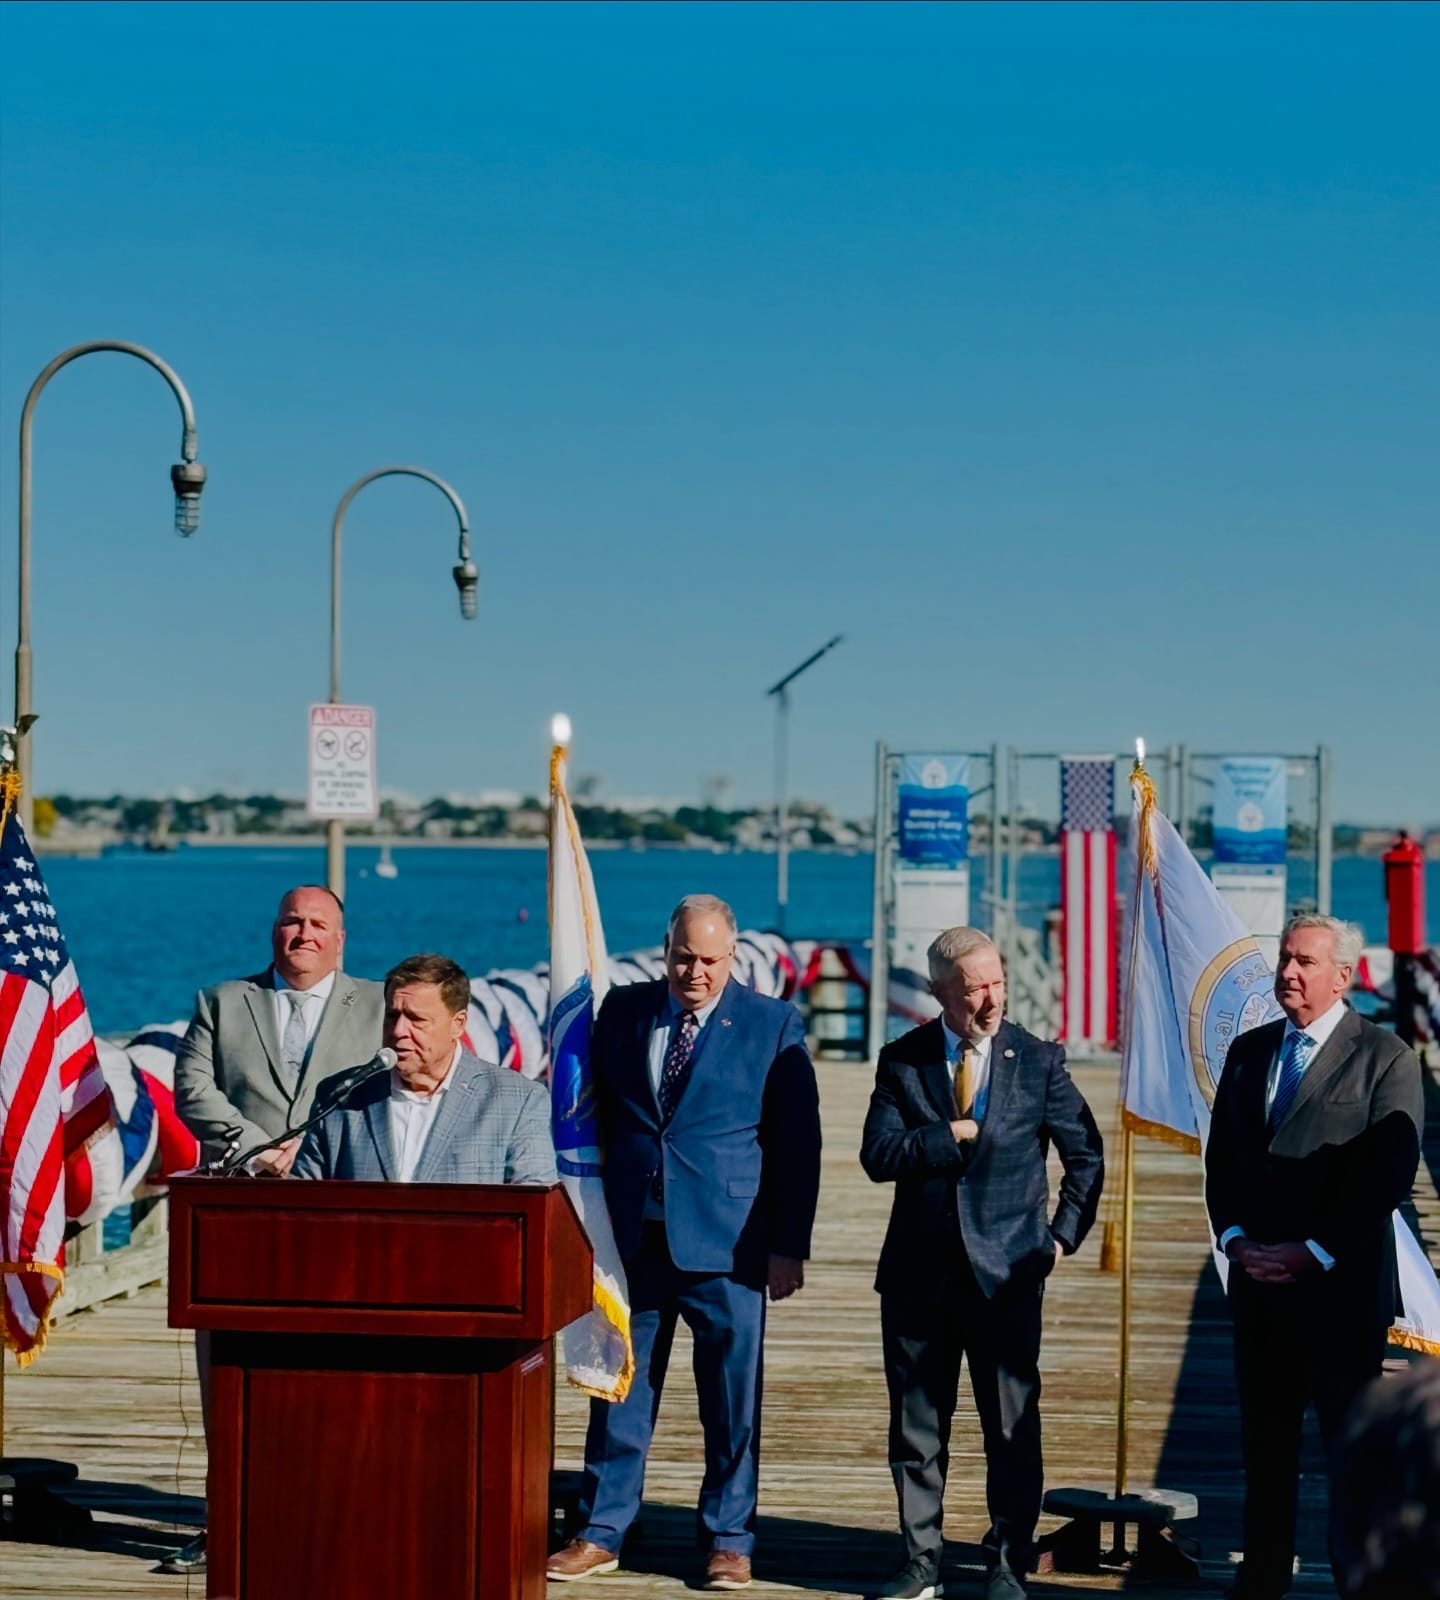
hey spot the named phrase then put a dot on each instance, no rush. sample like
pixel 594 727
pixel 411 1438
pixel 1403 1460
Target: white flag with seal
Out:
pixel 1194 979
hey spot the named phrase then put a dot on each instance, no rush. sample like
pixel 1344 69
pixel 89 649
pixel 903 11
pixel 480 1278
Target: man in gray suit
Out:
pixel 1314 1143
pixel 257 1047
pixel 439 1115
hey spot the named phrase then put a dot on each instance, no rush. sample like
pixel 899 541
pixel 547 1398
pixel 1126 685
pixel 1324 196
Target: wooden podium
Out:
pixel 381 1382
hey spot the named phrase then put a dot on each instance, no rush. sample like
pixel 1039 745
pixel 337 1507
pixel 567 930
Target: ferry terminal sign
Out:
pixel 934 797
pixel 342 763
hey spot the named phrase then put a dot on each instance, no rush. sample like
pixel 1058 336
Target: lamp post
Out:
pixel 781 693
pixel 467 581
pixel 188 478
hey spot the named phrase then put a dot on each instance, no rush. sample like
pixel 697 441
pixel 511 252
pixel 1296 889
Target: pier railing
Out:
pixel 94 1273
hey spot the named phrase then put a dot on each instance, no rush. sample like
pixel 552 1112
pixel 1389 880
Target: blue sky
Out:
pixel 1078 363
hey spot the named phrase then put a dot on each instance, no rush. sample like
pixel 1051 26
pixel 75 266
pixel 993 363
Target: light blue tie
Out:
pixel 1293 1061
pixel 294 1043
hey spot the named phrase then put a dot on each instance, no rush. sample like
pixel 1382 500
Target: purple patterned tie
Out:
pixel 675 1074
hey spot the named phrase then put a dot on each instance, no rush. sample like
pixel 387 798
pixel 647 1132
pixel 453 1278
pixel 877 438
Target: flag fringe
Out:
pixel 616 1314
pixel 1161 1131
pixel 36 1346
pixel 9 794
pixel 1403 1339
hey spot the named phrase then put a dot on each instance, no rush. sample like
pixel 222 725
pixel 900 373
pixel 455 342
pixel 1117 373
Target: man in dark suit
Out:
pixel 963 1112
pixel 709 1116
pixel 1314 1141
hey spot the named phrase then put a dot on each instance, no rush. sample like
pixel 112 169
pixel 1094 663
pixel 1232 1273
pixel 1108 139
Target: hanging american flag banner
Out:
pixel 1087 899
pixel 55 1106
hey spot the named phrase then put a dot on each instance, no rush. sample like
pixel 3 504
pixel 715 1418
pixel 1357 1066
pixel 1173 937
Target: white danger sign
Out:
pixel 342 762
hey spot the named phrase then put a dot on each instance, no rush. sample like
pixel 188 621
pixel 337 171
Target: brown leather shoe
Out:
pixel 727 1569
pixel 580 1559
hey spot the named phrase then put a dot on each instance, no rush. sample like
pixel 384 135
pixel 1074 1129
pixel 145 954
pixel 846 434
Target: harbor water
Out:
pixel 147 930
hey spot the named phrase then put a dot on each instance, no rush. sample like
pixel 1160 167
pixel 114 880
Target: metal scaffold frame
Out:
pixel 1178 773
pixel 887 770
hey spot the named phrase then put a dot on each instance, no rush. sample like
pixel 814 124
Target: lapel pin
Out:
pixel 1009 1055
pixel 724 1022
pixel 349 999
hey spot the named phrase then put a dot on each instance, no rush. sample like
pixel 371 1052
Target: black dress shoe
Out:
pixel 188 1558
pixel 916 1580
pixel 1002 1584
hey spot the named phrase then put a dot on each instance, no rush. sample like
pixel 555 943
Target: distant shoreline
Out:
pixel 84 849
pixel 91 849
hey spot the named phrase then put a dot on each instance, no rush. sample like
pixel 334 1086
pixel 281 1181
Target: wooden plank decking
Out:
pixel 116 1395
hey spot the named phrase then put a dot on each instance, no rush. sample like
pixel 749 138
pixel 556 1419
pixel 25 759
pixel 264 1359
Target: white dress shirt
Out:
pixel 312 1010
pixel 1318 1032
pixel 660 1035
pixel 411 1118
pixel 659 1046
pixel 955 1048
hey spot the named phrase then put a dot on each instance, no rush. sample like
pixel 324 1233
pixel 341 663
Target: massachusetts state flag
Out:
pixel 59 1145
pixel 596 1349
pixel 1194 979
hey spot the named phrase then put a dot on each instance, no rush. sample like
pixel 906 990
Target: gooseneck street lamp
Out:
pixel 188 477
pixel 781 693
pixel 467 581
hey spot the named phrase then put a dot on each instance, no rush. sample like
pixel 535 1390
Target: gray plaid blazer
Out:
pixel 492 1126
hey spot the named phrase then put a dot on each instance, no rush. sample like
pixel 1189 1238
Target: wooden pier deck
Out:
pixel 116 1395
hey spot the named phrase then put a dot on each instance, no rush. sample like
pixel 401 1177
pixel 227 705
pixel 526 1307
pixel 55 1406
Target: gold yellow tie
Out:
pixel 965 1081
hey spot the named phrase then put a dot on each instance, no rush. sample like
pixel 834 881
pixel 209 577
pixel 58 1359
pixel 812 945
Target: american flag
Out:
pixel 54 1104
pixel 1087 898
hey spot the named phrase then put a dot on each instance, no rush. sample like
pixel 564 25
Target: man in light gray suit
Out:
pixel 257 1047
pixel 255 1050
pixel 439 1115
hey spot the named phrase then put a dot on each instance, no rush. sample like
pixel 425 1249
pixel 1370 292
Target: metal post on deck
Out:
pixel 782 808
pixel 467 580
pixel 780 692
pixel 879 1004
pixel 187 477
pixel 1324 831
pixel 992 860
pixel 1182 793
pixel 1012 867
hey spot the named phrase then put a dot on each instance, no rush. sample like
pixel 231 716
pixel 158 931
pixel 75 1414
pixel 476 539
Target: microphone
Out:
pixel 338 1090
pixel 335 1096
pixel 217 1164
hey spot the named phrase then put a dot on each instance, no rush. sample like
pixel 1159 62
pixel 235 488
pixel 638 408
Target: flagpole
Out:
pixel 9 794
pixel 1127 1190
pixel 1127 1233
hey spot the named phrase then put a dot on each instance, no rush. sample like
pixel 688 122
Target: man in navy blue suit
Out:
pixel 710 1119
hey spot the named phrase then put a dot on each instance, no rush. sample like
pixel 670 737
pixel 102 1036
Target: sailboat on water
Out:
pixel 385 867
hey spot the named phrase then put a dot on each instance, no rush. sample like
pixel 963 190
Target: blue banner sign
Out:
pixel 1250 811
pixel 934 811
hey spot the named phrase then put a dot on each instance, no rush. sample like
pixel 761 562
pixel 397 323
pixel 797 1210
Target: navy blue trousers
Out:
pixel 727 1323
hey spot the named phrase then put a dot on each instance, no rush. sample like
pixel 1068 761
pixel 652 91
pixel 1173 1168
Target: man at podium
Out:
pixel 440 1115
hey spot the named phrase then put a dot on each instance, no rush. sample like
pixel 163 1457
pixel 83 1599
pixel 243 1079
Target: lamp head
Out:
pixel 189 480
pixel 467 581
